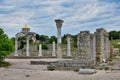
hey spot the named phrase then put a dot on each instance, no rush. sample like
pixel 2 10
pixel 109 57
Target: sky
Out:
pixel 40 15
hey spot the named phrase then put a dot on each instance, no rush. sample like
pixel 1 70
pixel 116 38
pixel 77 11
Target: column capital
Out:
pixel 59 22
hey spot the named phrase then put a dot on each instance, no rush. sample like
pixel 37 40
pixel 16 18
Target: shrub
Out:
pixel 4 64
pixel 50 68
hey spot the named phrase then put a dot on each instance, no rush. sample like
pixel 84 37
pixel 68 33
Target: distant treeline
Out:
pixel 114 35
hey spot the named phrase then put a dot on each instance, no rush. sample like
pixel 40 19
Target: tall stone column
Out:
pixel 40 50
pixel 68 46
pixel 53 52
pixel 93 47
pixel 27 47
pixel 16 47
pixel 59 25
pixel 78 44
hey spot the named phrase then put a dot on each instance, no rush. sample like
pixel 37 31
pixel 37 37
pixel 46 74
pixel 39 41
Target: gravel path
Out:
pixel 22 70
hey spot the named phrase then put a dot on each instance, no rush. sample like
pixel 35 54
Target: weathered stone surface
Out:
pixel 87 71
pixel 102 45
pixel 84 47
pixel 59 25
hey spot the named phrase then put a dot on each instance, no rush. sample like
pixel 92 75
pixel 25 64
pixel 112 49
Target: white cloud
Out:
pixel 40 15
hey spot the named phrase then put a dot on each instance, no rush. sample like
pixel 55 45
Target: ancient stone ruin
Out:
pixel 93 48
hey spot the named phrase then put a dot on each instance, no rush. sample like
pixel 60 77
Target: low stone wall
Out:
pixel 69 65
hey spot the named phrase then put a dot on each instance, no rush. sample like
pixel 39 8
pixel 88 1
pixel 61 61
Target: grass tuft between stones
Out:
pixel 4 64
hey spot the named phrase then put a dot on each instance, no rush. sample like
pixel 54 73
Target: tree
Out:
pixel 64 39
pixel 37 37
pixel 114 34
pixel 6 46
pixel 43 38
pixel 53 38
pixel 44 46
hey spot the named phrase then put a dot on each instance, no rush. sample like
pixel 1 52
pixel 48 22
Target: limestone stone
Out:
pixel 53 51
pixel 27 46
pixel 68 46
pixel 59 26
pixel 40 50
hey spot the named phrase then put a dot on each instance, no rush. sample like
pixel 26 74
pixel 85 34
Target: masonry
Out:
pixel 92 49
pixel 102 45
pixel 95 47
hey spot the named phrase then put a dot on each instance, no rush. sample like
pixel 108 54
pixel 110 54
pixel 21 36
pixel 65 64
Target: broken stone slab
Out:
pixel 87 71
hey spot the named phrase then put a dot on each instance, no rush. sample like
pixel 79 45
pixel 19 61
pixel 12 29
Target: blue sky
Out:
pixel 78 15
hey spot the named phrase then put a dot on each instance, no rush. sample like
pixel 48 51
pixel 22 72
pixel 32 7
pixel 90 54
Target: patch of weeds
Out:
pixel 4 64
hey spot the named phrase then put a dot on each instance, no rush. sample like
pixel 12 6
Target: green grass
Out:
pixel 115 44
pixel 4 64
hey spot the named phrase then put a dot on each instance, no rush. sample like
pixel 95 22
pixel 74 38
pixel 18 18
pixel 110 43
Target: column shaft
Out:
pixel 27 48
pixel 53 52
pixel 40 50
pixel 59 34
pixel 16 47
pixel 68 47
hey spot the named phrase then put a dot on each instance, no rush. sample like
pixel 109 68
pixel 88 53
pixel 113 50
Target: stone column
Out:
pixel 68 46
pixel 27 47
pixel 59 25
pixel 40 50
pixel 94 49
pixel 53 52
pixel 78 44
pixel 16 47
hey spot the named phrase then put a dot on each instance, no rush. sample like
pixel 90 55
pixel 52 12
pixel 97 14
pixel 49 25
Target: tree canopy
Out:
pixel 114 35
pixel 6 45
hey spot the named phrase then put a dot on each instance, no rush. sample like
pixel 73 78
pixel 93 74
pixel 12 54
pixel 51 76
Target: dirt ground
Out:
pixel 22 70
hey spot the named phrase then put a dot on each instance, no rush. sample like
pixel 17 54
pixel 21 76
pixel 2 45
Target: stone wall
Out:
pixel 95 46
pixel 102 45
pixel 84 47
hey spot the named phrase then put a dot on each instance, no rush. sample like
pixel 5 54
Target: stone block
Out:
pixel 87 71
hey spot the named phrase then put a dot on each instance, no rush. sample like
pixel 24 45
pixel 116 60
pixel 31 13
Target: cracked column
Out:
pixel 59 26
pixel 53 52
pixel 40 50
pixel 27 47
pixel 16 47
pixel 68 46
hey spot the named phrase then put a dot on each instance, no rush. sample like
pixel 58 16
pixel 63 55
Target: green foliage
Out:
pixel 115 44
pixel 114 35
pixel 106 68
pixel 44 46
pixel 52 38
pixel 74 38
pixel 13 40
pixel 6 45
pixel 74 44
pixel 64 41
pixel 21 38
pixel 76 69
pixel 50 68
pixel 37 37
pixel 43 38
pixel 4 64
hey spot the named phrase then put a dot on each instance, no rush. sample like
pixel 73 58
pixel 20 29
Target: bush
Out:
pixel 4 64
pixel 76 69
pixel 44 46
pixel 6 46
pixel 50 68
pixel 74 44
pixel 106 68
